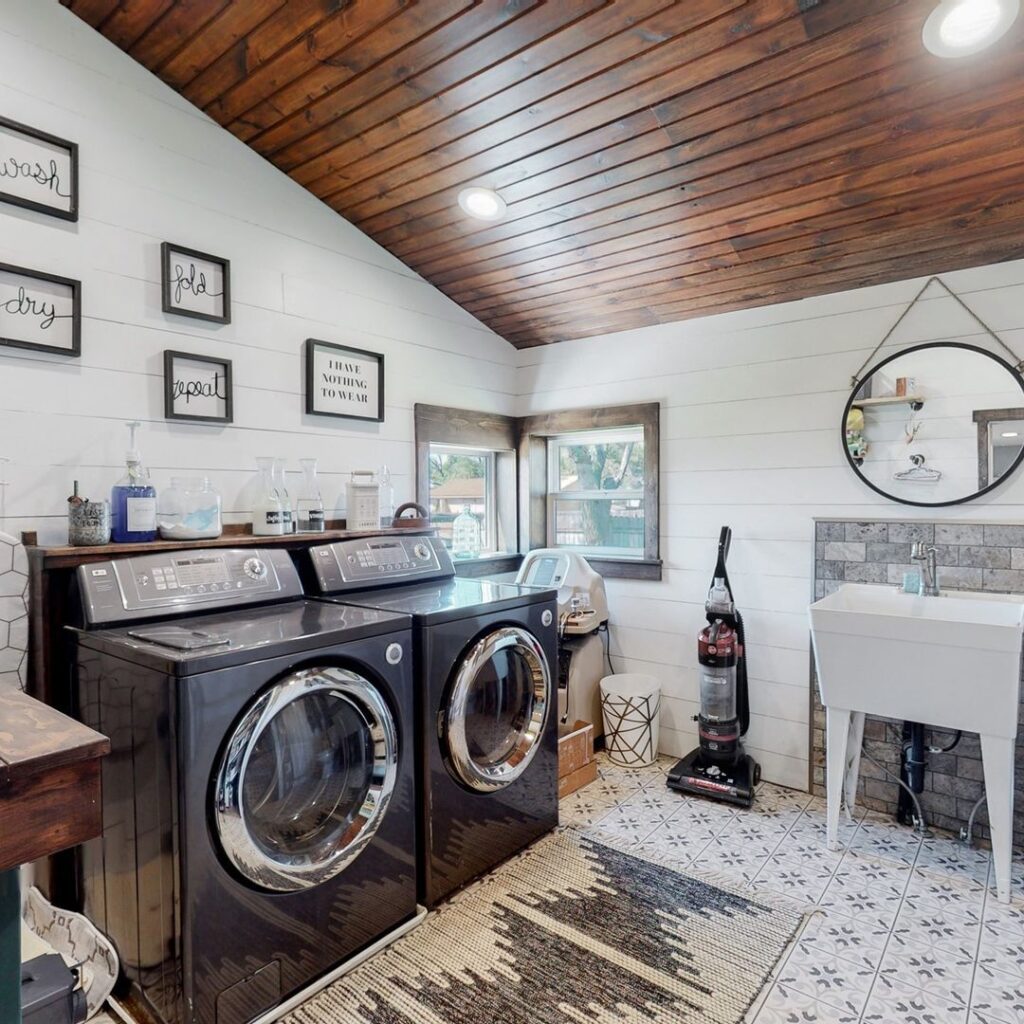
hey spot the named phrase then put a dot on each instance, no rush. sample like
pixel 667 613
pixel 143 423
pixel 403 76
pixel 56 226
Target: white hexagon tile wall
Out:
pixel 13 613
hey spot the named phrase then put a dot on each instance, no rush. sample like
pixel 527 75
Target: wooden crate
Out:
pixel 576 764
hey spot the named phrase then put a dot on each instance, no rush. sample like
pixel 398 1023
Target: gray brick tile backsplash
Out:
pixel 883 551
pixel 969 556
pixel 850 551
pixel 909 532
pixel 1005 536
pixel 830 531
pixel 866 572
pixel 1009 580
pixel 984 557
pixel 958 533
pixel 869 531
pixel 961 578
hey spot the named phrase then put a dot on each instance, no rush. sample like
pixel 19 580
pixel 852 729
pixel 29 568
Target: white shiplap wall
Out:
pixel 752 403
pixel 153 168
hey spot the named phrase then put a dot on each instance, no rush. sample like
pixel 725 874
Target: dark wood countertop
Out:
pixel 35 737
pixel 49 780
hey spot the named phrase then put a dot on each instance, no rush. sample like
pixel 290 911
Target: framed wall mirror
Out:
pixel 936 424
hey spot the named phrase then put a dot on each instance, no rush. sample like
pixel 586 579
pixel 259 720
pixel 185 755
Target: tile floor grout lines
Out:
pixel 887 940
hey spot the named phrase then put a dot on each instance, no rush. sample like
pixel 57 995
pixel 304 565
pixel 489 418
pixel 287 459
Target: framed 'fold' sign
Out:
pixel 38 171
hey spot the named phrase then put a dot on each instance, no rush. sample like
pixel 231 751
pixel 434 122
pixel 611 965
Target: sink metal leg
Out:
pixel 856 742
pixel 997 756
pixel 837 736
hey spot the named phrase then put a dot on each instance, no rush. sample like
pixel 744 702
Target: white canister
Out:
pixel 363 508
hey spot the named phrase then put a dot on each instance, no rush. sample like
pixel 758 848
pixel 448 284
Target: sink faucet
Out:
pixel 925 554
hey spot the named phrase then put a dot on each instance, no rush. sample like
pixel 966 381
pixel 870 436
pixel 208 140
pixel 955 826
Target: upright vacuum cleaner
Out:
pixel 719 767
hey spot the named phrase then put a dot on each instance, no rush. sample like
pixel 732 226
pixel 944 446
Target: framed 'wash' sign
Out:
pixel 343 381
pixel 195 283
pixel 38 171
pixel 40 311
pixel 197 388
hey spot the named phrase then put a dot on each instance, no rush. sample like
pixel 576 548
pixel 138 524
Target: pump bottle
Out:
pixel 133 499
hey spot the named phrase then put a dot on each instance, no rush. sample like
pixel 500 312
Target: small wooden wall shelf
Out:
pixel 917 401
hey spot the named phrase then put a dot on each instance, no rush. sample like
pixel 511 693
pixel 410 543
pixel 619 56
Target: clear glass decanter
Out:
pixel 466 535
pixel 310 503
pixel 281 483
pixel 267 510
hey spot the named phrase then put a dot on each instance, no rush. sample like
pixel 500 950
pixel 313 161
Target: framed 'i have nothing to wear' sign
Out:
pixel 343 381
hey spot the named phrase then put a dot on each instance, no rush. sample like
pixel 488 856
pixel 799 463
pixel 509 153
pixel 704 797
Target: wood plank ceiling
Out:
pixel 660 160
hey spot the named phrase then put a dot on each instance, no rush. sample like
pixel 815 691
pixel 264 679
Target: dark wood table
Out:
pixel 49 801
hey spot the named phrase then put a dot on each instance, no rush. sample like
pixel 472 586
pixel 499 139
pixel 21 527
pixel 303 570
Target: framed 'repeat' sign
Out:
pixel 345 382
pixel 38 171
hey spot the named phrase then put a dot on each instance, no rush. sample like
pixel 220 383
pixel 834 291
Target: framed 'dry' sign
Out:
pixel 195 283
pixel 40 311
pixel 343 381
pixel 38 171
pixel 197 388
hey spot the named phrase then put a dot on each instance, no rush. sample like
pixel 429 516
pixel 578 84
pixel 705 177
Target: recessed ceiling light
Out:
pixel 482 203
pixel 958 28
pixel 1010 433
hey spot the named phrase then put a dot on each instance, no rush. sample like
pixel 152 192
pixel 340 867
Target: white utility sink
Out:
pixel 952 661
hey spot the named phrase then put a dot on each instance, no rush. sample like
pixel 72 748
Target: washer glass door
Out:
pixel 496 709
pixel 305 778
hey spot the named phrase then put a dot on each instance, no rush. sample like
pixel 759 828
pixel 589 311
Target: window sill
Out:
pixel 626 568
pixel 488 565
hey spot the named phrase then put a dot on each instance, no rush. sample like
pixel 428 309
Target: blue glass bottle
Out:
pixel 133 500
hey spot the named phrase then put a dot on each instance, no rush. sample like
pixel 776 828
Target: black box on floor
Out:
pixel 50 993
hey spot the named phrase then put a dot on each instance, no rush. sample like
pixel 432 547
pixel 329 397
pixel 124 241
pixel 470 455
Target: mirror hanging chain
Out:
pixel 1017 362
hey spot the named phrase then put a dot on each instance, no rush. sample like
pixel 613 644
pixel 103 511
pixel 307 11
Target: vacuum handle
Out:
pixel 724 542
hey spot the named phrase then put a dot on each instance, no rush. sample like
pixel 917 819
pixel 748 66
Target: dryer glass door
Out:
pixel 306 778
pixel 496 709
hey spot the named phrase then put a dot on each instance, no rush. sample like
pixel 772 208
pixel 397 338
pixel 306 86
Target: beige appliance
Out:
pixel 582 612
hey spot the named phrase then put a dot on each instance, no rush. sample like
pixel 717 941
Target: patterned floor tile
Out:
pixel 1002 953
pixel 937 928
pixel 998 997
pixel 894 1002
pixel 846 937
pixel 787 1006
pixel 841 983
pixel 935 970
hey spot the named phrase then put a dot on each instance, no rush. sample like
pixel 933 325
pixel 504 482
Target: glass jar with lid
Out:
pixel 190 509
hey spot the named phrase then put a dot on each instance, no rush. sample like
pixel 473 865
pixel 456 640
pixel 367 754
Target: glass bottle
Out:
pixel 189 510
pixel 387 496
pixel 281 483
pixel 310 504
pixel 466 538
pixel 267 510
pixel 133 499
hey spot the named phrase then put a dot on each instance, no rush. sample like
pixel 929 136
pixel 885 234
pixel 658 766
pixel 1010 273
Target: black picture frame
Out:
pixel 71 214
pixel 75 286
pixel 170 356
pixel 311 348
pixel 870 371
pixel 167 250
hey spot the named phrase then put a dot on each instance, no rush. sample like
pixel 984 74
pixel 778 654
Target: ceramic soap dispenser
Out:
pixel 133 499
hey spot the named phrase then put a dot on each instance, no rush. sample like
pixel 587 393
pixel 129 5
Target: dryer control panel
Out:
pixel 378 561
pixel 169 583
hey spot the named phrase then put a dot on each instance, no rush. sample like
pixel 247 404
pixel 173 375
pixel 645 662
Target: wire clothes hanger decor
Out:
pixel 1018 364
pixel 918 472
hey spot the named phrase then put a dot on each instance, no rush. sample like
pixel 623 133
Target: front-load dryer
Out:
pixel 259 822
pixel 485 657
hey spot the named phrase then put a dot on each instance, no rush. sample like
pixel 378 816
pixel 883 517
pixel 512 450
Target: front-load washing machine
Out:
pixel 259 822
pixel 485 657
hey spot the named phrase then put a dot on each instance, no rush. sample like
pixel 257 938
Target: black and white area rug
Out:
pixel 573 931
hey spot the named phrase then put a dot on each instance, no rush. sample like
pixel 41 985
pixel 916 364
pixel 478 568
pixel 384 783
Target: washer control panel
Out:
pixel 376 561
pixel 182 582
